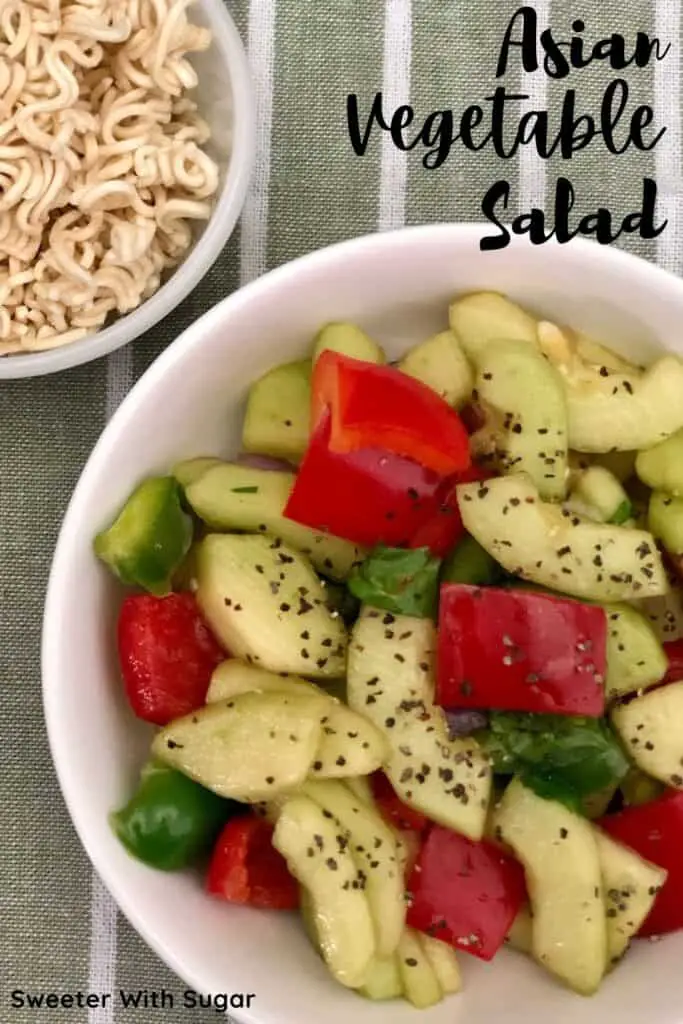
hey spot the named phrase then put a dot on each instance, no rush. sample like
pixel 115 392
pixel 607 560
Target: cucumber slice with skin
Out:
pixel 638 789
pixel 626 412
pixel 391 681
pixel 577 355
pixel 665 613
pixel 350 745
pixel 349 340
pixel 599 488
pixel 231 497
pixel 635 657
pixel 631 885
pixel 361 789
pixel 441 364
pixel 189 470
pixel 661 467
pixel 444 963
pixel 546 545
pixel 559 853
pixel 649 727
pixel 248 748
pixel 665 519
pixel 373 847
pixel 420 983
pixel 469 563
pixel 265 603
pixel 309 842
pixel 277 417
pixel 483 317
pixel 383 980
pixel 519 936
pixel 526 395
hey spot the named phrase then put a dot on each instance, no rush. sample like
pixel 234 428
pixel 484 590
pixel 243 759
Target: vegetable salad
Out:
pixel 415 659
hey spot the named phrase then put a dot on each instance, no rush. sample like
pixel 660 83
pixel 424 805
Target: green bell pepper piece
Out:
pixel 149 538
pixel 469 563
pixel 170 821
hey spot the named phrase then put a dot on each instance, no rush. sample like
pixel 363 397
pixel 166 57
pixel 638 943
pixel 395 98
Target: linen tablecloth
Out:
pixel 58 928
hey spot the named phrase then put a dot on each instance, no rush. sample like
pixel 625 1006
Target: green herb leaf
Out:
pixel 245 490
pixel 560 757
pixel 402 581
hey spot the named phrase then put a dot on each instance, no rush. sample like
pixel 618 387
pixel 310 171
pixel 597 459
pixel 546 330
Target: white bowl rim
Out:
pixel 651 274
pixel 204 254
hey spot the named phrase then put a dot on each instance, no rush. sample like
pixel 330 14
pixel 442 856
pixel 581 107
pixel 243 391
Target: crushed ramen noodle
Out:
pixel 102 169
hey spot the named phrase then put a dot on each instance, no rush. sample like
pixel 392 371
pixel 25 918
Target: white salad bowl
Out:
pixel 225 100
pixel 190 402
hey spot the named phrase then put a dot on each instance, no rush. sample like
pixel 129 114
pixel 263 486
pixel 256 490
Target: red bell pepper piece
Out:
pixel 369 496
pixel 167 655
pixel 466 894
pixel 517 650
pixel 392 807
pixel 380 407
pixel 441 533
pixel 246 868
pixel 655 831
pixel 674 653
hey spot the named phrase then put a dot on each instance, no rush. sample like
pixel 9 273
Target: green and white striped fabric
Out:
pixel 58 928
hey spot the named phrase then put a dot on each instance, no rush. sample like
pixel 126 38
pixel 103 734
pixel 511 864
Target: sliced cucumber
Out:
pixel 525 394
pixel 665 613
pixel 309 842
pixel 383 980
pixel 349 340
pixel 266 604
pixel 189 470
pixel 665 519
pixel 277 418
pixel 482 317
pixel 576 354
pixel 546 545
pixel 230 497
pixel 560 857
pixel 638 789
pixel 350 745
pixel 373 846
pixel 419 980
pixel 600 489
pixel 444 962
pixel 661 467
pixel 469 563
pixel 441 364
pixel 625 412
pixel 630 885
pixel 520 934
pixel 391 681
pixel 248 748
pixel 361 789
pixel 650 730
pixel 635 657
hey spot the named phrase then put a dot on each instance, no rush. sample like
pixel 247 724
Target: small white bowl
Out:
pixel 190 402
pixel 225 98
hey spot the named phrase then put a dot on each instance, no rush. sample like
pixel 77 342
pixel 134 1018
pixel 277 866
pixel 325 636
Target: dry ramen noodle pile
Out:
pixel 101 163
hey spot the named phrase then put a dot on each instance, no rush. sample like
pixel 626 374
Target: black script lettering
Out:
pixel 527 43
pixel 359 140
pixel 497 193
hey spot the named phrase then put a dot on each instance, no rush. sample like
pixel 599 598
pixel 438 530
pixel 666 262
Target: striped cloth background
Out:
pixel 58 927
